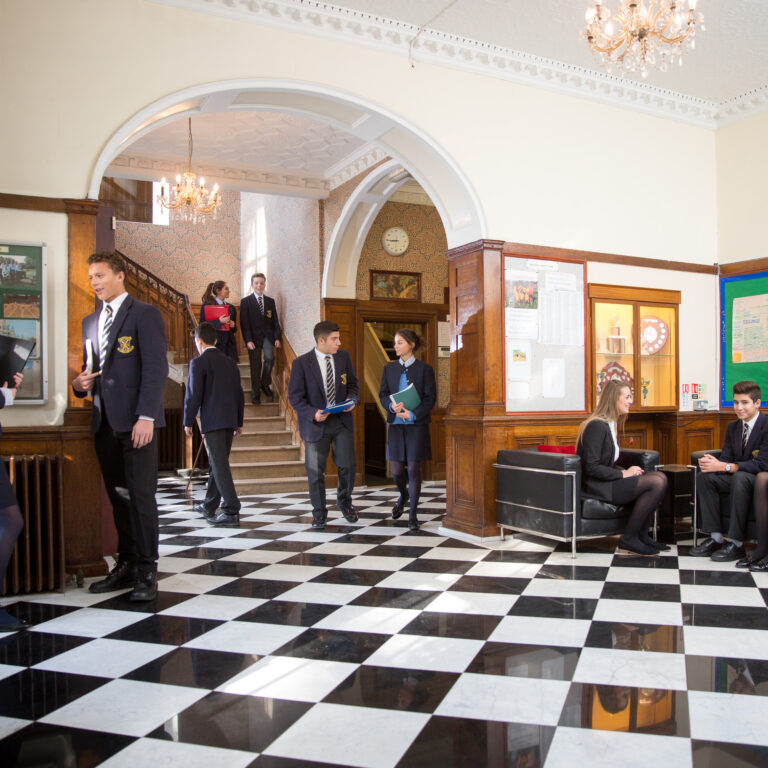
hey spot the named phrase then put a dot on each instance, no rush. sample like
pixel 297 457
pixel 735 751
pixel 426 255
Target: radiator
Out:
pixel 37 563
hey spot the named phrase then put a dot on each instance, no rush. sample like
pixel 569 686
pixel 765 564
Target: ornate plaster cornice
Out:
pixel 353 165
pixel 314 17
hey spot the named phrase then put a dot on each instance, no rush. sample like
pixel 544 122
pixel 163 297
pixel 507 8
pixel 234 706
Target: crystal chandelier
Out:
pixel 639 37
pixel 188 200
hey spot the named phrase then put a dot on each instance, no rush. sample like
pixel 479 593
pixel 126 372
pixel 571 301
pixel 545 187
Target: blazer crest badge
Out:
pixel 269 314
pixel 344 379
pixel 125 344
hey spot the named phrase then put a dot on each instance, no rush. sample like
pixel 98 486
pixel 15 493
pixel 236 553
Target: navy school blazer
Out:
pixel 306 392
pixel 214 389
pixel 598 469
pixel 135 370
pixel 755 458
pixel 256 327
pixel 422 376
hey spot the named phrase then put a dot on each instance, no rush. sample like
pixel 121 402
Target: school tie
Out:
pixel 261 305
pixel 330 387
pixel 744 437
pixel 105 337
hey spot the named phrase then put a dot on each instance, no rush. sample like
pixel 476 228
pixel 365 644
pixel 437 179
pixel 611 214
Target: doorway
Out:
pixel 379 349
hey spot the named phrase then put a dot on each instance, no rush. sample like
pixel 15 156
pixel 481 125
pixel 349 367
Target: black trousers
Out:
pixel 261 376
pixel 130 477
pixel 341 440
pixel 720 495
pixel 221 488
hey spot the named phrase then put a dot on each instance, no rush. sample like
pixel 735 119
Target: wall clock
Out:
pixel 395 241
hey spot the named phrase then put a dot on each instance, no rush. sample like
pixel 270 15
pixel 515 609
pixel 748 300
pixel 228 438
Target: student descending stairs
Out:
pixel 264 459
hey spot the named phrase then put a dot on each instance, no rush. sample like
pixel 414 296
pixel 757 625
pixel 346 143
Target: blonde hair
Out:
pixel 607 408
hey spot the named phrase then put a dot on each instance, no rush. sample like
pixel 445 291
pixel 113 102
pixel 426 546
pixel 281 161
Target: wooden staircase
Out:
pixel 265 458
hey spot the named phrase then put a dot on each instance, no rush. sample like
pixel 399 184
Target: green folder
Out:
pixel 409 397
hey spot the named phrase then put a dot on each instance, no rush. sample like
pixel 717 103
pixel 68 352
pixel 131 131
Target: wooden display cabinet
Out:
pixel 634 333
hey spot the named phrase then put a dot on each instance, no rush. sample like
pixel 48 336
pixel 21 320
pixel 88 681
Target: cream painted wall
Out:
pixel 742 189
pixel 51 229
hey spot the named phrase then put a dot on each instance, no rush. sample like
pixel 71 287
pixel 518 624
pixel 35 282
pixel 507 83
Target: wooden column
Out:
pixel 475 423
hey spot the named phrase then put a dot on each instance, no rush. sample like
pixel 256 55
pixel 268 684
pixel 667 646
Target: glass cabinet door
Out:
pixel 657 378
pixel 614 344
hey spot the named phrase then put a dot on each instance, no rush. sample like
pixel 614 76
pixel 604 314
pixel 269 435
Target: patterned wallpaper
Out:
pixel 425 254
pixel 289 250
pixel 189 256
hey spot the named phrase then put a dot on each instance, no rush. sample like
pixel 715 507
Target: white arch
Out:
pixel 434 169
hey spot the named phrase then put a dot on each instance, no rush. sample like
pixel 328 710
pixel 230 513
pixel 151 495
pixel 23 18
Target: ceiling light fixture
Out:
pixel 188 200
pixel 640 37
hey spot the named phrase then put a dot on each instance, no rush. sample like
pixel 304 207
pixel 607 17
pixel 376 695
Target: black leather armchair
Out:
pixel 540 493
pixel 751 525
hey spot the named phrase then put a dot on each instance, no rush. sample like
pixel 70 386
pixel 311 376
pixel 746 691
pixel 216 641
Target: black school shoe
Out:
pixel 636 547
pixel 121 576
pixel 145 588
pixel 729 551
pixel 400 506
pixel 706 549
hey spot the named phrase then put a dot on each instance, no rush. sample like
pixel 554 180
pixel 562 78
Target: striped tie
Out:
pixel 261 305
pixel 330 387
pixel 744 437
pixel 105 337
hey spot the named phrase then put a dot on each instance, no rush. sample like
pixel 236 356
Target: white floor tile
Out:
pixel 504 570
pixel 73 596
pixel 728 717
pixel 726 642
pixel 192 583
pixel 505 699
pixel 379 738
pixel 90 622
pixel 125 706
pixel 318 536
pixel 364 618
pixel 564 588
pixel 246 637
pixel 288 677
pixel 705 594
pixel 167 754
pixel 454 553
pixel 639 612
pixel 6 670
pixel 236 542
pixel 480 603
pixel 219 607
pixel 9 725
pixel 441 654
pixel 644 575
pixel 105 658
pixel 341 548
pixel 569 633
pixel 328 594
pixel 282 572
pixel 686 563
pixel 637 669
pixel 369 563
pixel 418 541
pixel 258 556
pixel 220 531
pixel 179 564
pixel 435 582
pixel 607 749
pixel 582 558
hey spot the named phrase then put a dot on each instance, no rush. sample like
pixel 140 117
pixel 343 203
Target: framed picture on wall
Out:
pixel 402 286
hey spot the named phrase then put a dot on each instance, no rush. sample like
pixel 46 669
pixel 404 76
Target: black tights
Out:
pixel 651 488
pixel 761 516
pixel 11 524
pixel 414 482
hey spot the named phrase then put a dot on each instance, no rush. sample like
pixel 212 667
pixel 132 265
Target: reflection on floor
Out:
pixel 369 645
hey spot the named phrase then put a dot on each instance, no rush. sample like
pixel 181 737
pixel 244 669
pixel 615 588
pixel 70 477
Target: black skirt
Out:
pixel 624 490
pixel 7 496
pixel 409 443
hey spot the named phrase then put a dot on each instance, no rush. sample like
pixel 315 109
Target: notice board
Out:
pixel 743 333
pixel 544 335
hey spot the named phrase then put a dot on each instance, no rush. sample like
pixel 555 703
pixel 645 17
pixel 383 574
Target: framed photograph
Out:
pixel 401 286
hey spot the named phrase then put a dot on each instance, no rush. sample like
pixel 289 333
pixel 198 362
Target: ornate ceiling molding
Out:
pixel 353 165
pixel 323 19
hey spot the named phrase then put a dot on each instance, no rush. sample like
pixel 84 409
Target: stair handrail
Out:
pixel 374 354
pixel 180 322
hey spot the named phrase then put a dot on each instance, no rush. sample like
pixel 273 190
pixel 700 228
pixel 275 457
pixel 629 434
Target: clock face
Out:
pixel 395 241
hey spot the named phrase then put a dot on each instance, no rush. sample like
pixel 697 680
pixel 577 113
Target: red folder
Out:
pixel 216 312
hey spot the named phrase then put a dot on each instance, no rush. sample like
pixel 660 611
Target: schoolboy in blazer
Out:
pixel 728 482
pixel 309 393
pixel 261 332
pixel 130 368
pixel 214 390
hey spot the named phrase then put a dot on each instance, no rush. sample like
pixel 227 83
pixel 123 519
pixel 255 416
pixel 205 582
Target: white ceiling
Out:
pixel 534 41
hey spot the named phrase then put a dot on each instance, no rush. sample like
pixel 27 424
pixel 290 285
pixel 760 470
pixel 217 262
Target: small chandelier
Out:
pixel 639 37
pixel 189 201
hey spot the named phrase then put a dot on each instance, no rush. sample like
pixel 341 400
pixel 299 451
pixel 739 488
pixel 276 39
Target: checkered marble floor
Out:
pixel 271 645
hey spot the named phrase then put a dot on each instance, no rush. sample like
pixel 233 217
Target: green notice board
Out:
pixel 743 333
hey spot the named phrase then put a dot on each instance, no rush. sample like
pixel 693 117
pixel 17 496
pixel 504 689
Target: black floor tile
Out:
pixel 260 533
pixel 34 693
pixel 502 556
pixel 393 550
pixel 25 649
pixel 513 660
pixel 735 578
pixel 572 572
pixel 718 754
pixel 638 561
pixel 260 588
pixel 288 546
pixel 458 543
pixel 182 540
pixel 466 626
pixel 225 568
pixel 386 597
pixel 248 723
pixel 160 603
pixel 332 645
pixel 288 613
pixel 193 667
pixel 316 559
pixel 624 590
pixel 721 675
pixel 356 576
pixel 37 613
pixel 270 761
pixel 165 630
pixel 737 617
pixel 554 607
pixel 391 688
pixel 497 586
pixel 434 565
pixel 635 637
pixel 361 538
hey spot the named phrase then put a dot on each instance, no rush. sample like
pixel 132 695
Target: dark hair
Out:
pixel 206 333
pixel 324 329
pixel 613 698
pixel 411 337
pixel 111 258
pixel 210 292
pixel 257 274
pixel 747 388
